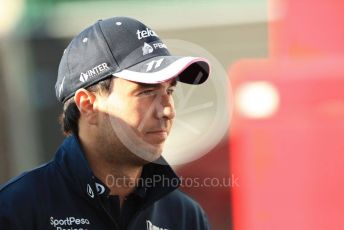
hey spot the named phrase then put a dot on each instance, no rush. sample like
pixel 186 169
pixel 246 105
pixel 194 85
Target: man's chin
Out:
pixel 154 152
pixel 149 152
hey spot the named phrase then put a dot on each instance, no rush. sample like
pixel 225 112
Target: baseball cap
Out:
pixel 125 48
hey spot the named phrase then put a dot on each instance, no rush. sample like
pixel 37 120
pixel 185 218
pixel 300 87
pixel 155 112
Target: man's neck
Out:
pixel 121 180
pixel 119 176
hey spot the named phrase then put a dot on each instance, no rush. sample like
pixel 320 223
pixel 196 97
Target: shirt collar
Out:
pixel 158 177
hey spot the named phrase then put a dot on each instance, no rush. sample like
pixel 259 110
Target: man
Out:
pixel 116 80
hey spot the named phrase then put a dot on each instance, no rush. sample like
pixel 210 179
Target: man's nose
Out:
pixel 165 107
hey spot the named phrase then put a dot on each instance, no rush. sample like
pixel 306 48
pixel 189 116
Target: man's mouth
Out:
pixel 157 135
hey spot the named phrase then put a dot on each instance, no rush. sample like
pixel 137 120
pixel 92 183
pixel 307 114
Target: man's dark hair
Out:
pixel 70 115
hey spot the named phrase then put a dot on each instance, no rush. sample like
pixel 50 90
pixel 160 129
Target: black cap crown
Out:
pixel 126 48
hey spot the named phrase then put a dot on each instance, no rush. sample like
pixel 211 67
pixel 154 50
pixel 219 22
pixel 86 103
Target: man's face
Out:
pixel 139 115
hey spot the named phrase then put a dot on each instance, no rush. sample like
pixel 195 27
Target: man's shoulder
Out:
pixel 179 206
pixel 182 196
pixel 23 198
pixel 26 183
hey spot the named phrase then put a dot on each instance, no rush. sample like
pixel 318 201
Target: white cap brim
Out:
pixel 191 70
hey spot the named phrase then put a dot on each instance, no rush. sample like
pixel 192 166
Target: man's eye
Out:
pixel 170 91
pixel 147 92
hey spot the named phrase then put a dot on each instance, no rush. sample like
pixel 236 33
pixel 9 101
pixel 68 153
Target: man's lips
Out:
pixel 158 131
pixel 160 134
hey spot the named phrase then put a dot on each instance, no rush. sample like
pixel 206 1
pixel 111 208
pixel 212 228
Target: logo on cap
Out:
pixel 154 63
pixel 147 49
pixel 83 77
pixel 93 72
pixel 145 33
pixel 159 45
pixel 61 86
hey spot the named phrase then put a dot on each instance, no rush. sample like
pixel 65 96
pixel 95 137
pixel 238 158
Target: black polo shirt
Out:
pixel 64 194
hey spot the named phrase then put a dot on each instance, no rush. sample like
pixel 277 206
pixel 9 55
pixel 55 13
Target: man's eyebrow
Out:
pixel 146 85
pixel 174 82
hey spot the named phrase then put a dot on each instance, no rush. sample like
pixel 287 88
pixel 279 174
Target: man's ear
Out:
pixel 85 100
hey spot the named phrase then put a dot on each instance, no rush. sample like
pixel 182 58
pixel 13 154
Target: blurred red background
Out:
pixel 286 133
